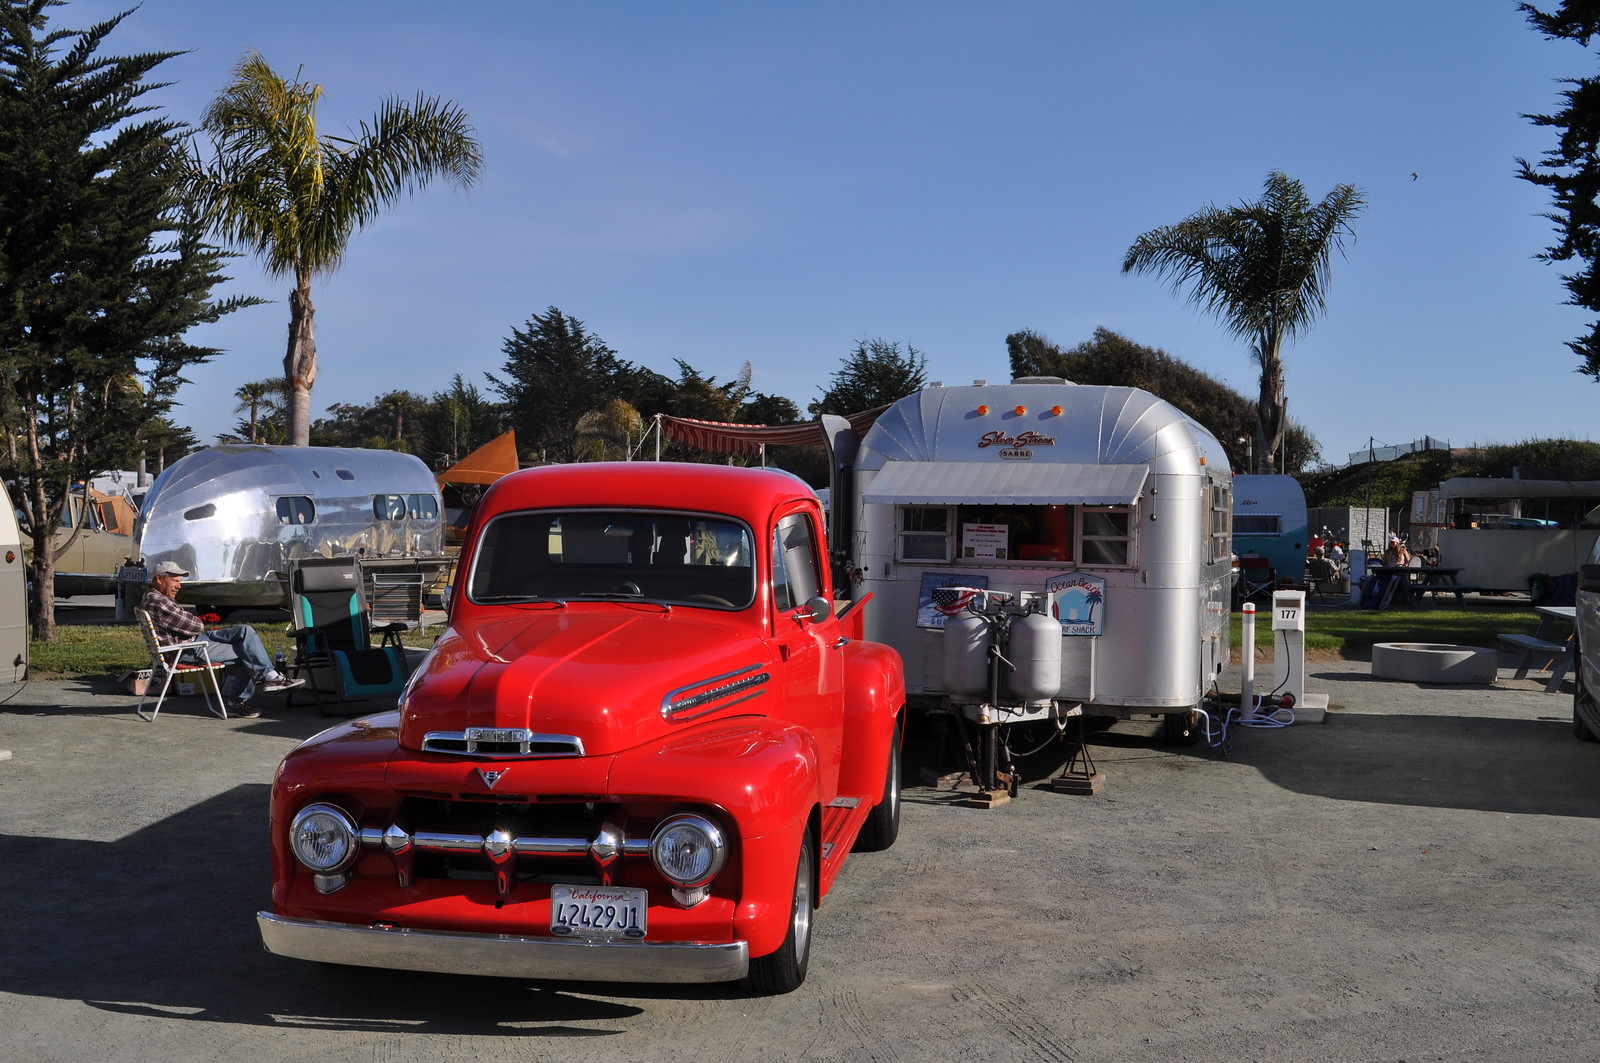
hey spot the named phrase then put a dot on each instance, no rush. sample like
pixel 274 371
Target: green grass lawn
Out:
pixel 112 649
pixel 1351 632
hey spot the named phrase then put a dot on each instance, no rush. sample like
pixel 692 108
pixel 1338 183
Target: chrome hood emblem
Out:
pixel 491 777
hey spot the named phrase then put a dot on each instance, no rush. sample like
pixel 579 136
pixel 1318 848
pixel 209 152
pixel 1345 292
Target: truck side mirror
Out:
pixel 818 609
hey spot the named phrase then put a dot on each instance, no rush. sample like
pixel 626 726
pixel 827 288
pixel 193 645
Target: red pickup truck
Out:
pixel 640 751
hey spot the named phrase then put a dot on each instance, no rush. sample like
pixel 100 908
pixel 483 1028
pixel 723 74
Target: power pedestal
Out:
pixel 1289 656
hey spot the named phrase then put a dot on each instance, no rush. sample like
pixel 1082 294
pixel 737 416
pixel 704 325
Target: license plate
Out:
pixel 598 911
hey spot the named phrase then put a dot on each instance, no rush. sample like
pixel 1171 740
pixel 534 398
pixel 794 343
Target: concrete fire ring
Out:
pixel 1425 662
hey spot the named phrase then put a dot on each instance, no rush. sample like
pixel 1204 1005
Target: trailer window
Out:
pixel 422 507
pixel 389 507
pixel 295 509
pixel 1105 532
pixel 1268 524
pixel 924 533
pixel 1033 533
pixel 1220 541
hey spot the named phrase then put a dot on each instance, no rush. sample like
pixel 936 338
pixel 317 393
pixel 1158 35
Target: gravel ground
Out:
pixel 1408 880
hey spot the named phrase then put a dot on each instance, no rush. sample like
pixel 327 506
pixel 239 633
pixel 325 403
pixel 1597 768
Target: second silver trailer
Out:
pixel 1106 509
pixel 237 516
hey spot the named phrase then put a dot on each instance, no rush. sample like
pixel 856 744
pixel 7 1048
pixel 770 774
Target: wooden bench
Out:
pixel 1559 654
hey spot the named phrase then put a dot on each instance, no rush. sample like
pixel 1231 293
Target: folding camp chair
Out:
pixel 1257 581
pixel 1321 577
pixel 166 663
pixel 333 634
pixel 396 604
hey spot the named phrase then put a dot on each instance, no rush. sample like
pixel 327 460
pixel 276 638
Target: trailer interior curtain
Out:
pixel 988 483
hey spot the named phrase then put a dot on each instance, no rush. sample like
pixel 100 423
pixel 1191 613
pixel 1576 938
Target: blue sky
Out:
pixel 773 183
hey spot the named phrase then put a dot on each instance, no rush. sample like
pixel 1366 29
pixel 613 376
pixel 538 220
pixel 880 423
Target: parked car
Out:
pixel 1586 654
pixel 641 750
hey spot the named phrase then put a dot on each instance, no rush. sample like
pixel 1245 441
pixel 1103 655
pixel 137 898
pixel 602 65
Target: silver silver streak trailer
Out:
pixel 1105 508
pixel 235 516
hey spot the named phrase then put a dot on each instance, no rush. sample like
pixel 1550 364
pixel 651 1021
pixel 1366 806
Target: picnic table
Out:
pixel 1554 621
pixel 1408 583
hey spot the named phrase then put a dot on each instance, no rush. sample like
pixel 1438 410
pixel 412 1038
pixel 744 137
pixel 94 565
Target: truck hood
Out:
pixel 598 673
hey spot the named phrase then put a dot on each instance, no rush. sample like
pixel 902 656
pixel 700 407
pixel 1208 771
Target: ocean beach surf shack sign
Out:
pixel 1078 601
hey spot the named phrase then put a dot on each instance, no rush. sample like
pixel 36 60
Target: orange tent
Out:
pixel 485 465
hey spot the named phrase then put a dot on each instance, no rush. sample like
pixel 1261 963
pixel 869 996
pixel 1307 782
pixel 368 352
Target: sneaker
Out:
pixel 242 710
pixel 283 682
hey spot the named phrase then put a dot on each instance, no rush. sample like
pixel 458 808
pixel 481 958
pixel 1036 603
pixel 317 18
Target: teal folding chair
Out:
pixel 333 634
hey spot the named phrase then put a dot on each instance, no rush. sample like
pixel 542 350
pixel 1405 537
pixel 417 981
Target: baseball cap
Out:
pixel 170 568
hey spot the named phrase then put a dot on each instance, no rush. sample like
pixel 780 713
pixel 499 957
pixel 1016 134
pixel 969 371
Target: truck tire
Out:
pixel 783 971
pixel 883 823
pixel 1582 699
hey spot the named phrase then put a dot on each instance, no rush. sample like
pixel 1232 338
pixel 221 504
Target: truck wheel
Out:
pixel 883 823
pixel 1581 699
pixel 784 970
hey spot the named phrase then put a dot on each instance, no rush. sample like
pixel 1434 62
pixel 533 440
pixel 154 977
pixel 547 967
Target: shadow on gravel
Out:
pixel 1522 767
pixel 162 924
pixel 1513 766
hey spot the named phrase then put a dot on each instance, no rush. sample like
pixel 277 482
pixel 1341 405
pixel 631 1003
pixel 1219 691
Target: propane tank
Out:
pixel 966 656
pixel 1035 649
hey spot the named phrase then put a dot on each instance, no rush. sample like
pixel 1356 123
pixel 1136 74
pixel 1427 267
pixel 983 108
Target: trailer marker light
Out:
pixel 1020 410
pixel 1055 411
pixel 983 411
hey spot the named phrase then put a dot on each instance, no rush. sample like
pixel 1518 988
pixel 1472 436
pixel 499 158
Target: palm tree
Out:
pixel 252 397
pixel 1262 268
pixel 294 196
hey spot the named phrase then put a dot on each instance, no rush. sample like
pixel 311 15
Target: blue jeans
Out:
pixel 237 645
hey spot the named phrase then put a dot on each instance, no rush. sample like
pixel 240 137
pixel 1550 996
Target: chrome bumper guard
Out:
pixel 502 955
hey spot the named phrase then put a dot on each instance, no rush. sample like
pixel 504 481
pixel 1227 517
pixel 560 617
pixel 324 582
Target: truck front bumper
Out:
pixel 502 955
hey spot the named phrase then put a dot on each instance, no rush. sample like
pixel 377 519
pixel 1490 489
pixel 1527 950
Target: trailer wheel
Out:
pixel 1180 728
pixel 784 970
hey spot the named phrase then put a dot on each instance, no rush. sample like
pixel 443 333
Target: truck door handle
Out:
pixel 842 643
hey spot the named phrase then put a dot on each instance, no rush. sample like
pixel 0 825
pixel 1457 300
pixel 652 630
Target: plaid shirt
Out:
pixel 173 623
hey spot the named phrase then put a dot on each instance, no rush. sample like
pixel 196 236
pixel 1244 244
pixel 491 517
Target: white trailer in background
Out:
pixel 1502 532
pixel 1105 508
pixel 13 597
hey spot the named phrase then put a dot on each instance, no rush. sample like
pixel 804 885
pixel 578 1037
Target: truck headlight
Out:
pixel 688 850
pixel 323 838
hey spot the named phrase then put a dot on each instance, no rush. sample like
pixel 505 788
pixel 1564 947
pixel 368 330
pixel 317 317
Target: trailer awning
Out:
pixel 972 483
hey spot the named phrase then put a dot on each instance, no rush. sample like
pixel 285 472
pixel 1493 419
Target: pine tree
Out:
pixel 1571 171
pixel 101 274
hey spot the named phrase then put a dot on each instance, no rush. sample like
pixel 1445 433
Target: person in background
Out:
pixel 1396 555
pixel 229 645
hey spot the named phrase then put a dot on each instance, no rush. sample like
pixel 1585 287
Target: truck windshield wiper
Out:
pixel 624 599
pixel 520 599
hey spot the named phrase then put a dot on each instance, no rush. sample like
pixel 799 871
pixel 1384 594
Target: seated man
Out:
pixel 230 645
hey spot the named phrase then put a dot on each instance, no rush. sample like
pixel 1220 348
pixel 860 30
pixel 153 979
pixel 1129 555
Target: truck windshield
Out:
pixel 678 558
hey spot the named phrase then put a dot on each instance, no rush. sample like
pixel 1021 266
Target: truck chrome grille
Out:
pixel 440 839
pixel 501 742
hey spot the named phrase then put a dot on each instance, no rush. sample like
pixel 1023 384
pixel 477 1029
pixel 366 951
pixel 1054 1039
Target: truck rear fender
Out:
pixel 875 692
